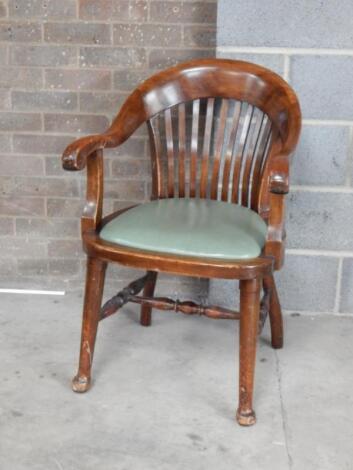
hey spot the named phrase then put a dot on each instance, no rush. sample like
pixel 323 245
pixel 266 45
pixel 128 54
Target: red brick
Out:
pixel 130 168
pixel 124 10
pixel 64 207
pixel 18 165
pixel 64 267
pixel 101 102
pixel 77 33
pixel 8 267
pixel 147 34
pixel 20 32
pixel 78 123
pixel 78 79
pixel 3 11
pixel 7 227
pixel 47 228
pixel 161 58
pixel 5 99
pixel 22 206
pixel 112 57
pixel 40 186
pixel 127 80
pixel 16 247
pixel 44 100
pixel 200 36
pixel 3 55
pixel 183 12
pixel 32 267
pixel 20 122
pixel 65 249
pixel 27 143
pixel 125 190
pixel 14 77
pixel 5 142
pixel 43 9
pixel 43 56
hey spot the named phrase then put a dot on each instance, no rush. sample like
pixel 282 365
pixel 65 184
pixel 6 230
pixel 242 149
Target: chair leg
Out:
pixel 276 320
pixel 148 291
pixel 91 309
pixel 248 332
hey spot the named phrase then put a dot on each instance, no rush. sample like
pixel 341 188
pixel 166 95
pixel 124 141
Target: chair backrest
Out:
pixel 214 125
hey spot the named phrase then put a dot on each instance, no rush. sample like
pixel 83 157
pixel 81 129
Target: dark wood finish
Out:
pixel 122 297
pixel 275 313
pixel 91 316
pixel 249 321
pixel 148 291
pixel 218 129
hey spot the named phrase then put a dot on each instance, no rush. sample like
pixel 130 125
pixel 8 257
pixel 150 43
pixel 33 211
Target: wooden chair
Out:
pixel 221 134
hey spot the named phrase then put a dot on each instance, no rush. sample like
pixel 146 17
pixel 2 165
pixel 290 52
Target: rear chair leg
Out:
pixel 275 313
pixel 91 310
pixel 148 291
pixel 248 332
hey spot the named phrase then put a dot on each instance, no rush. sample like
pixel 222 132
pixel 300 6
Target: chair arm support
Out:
pixel 75 155
pixel 279 175
pixel 278 188
pixel 279 183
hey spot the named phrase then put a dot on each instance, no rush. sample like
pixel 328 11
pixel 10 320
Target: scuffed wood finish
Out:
pixel 249 321
pixel 218 129
pixel 148 291
pixel 275 313
pixel 122 297
pixel 91 316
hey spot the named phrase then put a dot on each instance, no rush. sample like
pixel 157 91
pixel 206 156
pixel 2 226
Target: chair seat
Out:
pixel 190 227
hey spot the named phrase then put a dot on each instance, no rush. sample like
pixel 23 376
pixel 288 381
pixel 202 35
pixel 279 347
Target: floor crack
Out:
pixel 283 412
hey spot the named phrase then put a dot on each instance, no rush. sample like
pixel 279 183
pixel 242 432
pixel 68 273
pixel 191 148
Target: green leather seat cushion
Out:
pixel 190 227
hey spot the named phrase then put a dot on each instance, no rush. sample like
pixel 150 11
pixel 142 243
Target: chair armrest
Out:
pixel 75 155
pixel 279 175
pixel 278 188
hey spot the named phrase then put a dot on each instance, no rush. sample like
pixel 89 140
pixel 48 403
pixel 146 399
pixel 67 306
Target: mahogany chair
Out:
pixel 221 134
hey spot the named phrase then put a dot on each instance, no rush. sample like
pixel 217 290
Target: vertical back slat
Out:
pixel 250 154
pixel 229 152
pixel 194 146
pixel 181 147
pixel 156 150
pixel 206 148
pixel 240 153
pixel 170 150
pixel 219 140
pixel 264 141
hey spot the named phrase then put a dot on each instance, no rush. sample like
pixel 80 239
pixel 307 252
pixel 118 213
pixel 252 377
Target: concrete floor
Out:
pixel 164 397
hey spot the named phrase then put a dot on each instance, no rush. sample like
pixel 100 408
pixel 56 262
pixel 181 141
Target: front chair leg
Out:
pixel 275 313
pixel 91 314
pixel 148 291
pixel 248 332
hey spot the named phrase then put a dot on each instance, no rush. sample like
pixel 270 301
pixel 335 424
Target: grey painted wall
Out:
pixel 311 45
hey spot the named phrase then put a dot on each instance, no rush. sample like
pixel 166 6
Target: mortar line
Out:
pixel 322 189
pixel 285 50
pixel 327 122
pixel 308 252
pixel 283 412
pixel 286 65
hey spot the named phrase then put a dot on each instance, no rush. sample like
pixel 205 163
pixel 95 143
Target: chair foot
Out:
pixel 81 384
pixel 246 418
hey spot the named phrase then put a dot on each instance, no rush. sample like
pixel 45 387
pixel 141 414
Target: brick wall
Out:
pixel 66 67
pixel 310 45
